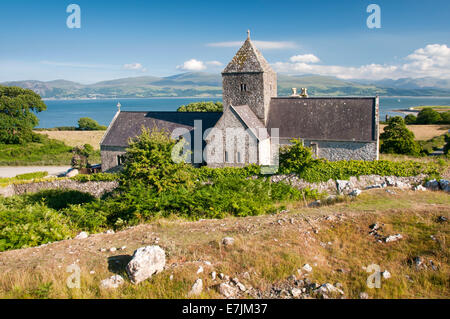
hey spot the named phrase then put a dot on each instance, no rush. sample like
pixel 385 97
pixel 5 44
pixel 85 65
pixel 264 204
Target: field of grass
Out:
pixel 424 132
pixel 48 152
pixel 76 138
pixel 334 240
pixel 439 108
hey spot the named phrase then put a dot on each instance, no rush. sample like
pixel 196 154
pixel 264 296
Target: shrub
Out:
pixel 397 139
pixel 24 225
pixel 410 119
pixel 81 156
pixel 149 160
pixel 88 124
pixel 294 158
pixel 445 117
pixel 428 116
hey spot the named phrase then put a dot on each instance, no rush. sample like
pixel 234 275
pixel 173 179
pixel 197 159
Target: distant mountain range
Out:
pixel 199 84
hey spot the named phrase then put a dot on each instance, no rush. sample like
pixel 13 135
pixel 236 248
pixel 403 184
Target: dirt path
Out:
pixel 12 171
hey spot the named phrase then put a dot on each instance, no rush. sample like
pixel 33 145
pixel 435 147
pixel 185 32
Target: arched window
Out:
pixel 243 87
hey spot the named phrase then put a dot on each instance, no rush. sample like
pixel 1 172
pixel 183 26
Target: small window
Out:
pixel 226 156
pixel 239 157
pixel 243 87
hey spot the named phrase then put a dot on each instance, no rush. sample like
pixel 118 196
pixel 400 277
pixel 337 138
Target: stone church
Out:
pixel 255 122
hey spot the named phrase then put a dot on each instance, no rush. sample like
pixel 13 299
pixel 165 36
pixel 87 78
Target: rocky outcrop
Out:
pixel 96 189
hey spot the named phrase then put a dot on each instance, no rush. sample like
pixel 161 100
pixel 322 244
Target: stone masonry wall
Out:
pixel 96 189
pixel 109 157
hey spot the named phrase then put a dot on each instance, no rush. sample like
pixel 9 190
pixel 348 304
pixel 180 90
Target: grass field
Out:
pixel 334 240
pixel 439 108
pixel 424 132
pixel 76 138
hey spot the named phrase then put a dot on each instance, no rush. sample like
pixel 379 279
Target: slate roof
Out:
pixel 129 124
pixel 248 59
pixel 251 121
pixel 324 118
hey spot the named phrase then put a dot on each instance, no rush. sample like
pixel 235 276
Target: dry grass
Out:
pixel 76 138
pixel 424 132
pixel 270 248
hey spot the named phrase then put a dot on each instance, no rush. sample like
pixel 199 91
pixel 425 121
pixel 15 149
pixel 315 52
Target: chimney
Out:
pixel 294 92
pixel 304 92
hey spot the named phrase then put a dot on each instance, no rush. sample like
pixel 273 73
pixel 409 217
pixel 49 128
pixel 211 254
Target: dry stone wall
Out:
pixel 96 189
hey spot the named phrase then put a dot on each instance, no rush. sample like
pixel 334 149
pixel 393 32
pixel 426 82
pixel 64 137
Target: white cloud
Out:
pixel 431 61
pixel 214 63
pixel 306 58
pixel 134 67
pixel 192 65
pixel 268 45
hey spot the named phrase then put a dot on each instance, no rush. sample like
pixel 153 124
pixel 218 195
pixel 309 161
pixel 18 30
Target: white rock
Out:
pixel 307 268
pixel 82 235
pixel 364 295
pixel 393 238
pixel 342 185
pixel 112 249
pixel 199 270
pixel 171 277
pixel 112 282
pixel 296 292
pixel 386 274
pixel 92 272
pixel 400 184
pixel 208 263
pixel 241 286
pixel 146 262
pixel 197 288
pixel 221 276
pixel 328 288
pixel 72 173
pixel 419 188
pixel 227 291
pixel 213 275
pixel 228 241
pixel 109 231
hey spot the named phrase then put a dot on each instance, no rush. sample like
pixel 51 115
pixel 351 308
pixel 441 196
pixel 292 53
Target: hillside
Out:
pixel 200 84
pixel 268 256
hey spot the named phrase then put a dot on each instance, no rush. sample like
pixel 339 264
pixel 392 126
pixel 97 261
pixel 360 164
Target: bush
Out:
pixel 294 158
pixel 149 161
pixel 397 139
pixel 428 116
pixel 410 119
pixel 447 144
pixel 88 124
pixel 24 225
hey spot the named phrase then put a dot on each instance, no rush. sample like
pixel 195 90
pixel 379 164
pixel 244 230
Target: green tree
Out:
pixel 445 117
pixel 17 118
pixel 428 116
pixel 88 124
pixel 202 107
pixel 295 157
pixel 397 139
pixel 149 161
pixel 410 119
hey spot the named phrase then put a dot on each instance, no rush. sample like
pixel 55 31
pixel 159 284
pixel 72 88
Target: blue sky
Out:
pixel 139 38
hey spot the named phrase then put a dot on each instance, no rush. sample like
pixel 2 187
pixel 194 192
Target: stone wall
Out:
pixel 340 150
pixel 345 187
pixel 96 189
